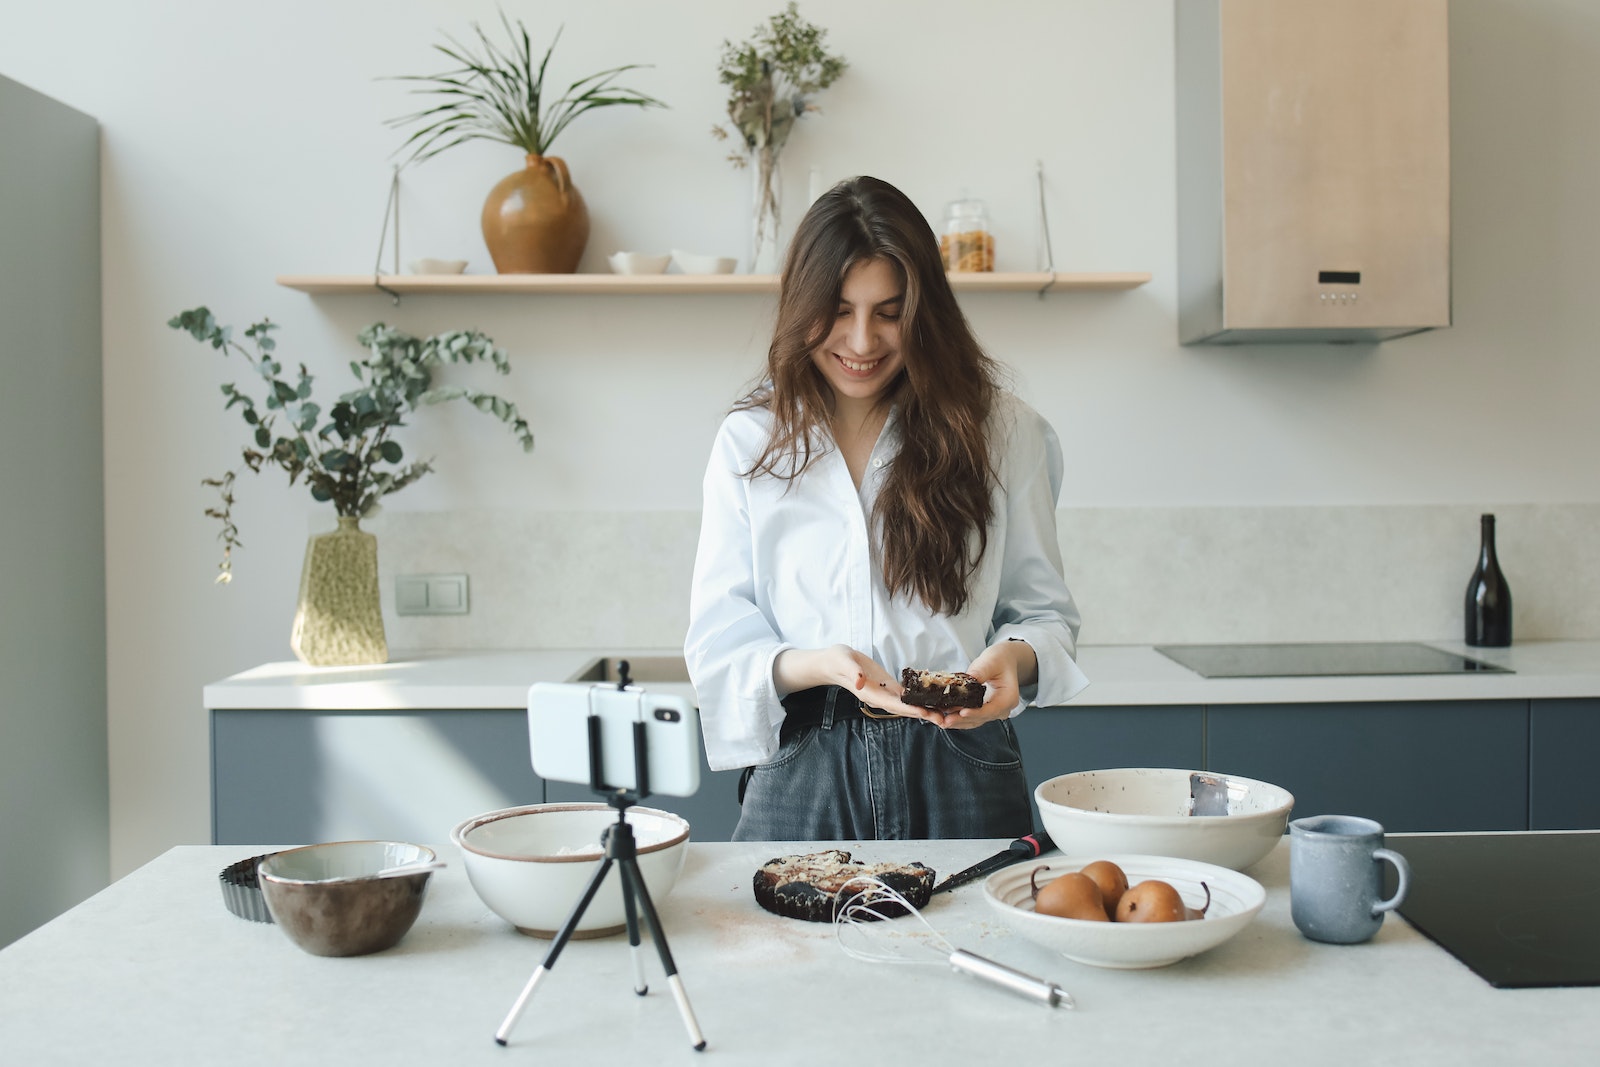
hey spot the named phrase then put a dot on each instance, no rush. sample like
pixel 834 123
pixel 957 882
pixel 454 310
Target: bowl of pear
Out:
pixel 1166 909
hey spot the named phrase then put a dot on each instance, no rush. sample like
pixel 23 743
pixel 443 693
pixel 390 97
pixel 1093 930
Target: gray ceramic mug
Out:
pixel 1336 878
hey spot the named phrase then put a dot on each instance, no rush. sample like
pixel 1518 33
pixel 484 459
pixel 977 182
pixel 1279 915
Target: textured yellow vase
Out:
pixel 338 621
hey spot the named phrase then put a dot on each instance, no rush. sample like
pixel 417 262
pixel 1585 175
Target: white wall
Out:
pixel 247 140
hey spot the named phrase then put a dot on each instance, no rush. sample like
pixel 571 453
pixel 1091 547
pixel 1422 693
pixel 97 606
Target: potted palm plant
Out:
pixel 534 220
pixel 347 456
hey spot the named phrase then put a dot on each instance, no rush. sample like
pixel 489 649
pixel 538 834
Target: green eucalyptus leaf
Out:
pixel 338 460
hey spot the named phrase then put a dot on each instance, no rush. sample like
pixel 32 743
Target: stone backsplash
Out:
pixel 1140 575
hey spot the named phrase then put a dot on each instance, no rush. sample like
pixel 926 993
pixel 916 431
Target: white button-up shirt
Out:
pixel 789 564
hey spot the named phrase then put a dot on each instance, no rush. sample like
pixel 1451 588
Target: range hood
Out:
pixel 1313 162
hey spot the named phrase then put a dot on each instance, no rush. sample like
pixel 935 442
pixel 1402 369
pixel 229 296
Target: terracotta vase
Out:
pixel 338 621
pixel 535 221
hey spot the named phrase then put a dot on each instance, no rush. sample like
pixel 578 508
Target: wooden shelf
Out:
pixel 1037 282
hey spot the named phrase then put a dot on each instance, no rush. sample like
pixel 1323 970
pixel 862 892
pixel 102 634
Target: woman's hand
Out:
pixel 841 665
pixel 1005 667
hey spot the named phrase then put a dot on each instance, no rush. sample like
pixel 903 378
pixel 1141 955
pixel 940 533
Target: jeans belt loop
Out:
pixel 827 707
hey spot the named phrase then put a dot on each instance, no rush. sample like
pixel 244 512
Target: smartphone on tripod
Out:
pixel 559 733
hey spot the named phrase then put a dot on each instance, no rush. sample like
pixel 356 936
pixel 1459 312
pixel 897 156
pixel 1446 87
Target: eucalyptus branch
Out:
pixel 348 457
pixel 771 78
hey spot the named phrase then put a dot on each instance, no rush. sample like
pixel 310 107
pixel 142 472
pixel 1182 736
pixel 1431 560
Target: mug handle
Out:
pixel 1403 870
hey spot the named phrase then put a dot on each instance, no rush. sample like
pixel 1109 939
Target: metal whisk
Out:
pixel 854 926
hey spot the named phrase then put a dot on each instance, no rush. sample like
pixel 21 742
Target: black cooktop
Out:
pixel 1322 658
pixel 1520 909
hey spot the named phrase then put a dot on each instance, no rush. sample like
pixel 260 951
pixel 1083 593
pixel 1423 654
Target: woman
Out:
pixel 878 502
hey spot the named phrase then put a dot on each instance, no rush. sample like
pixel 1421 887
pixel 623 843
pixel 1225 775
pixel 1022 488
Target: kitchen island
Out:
pixel 154 970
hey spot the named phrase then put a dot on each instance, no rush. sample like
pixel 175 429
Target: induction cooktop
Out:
pixel 1322 658
pixel 1520 909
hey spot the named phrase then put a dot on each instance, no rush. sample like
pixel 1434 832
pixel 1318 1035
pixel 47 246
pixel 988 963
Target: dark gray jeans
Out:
pixel 888 779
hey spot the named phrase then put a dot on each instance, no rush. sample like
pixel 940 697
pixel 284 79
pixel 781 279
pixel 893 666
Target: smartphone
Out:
pixel 558 736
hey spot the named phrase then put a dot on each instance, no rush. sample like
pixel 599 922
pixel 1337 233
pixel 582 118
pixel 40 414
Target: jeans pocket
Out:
pixel 992 746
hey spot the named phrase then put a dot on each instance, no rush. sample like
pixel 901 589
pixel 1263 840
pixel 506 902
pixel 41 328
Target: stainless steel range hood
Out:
pixel 1313 169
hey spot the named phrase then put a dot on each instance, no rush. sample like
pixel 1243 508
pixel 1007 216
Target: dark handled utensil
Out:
pixel 1023 848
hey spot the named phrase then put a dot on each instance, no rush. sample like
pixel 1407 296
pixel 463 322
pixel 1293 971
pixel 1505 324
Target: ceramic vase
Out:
pixel 535 221
pixel 337 621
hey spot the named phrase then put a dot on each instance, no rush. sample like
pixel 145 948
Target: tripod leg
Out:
pixel 549 960
pixel 631 913
pixel 629 870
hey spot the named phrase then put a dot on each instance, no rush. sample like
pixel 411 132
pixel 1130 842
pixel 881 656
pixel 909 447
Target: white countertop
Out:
pixel 1120 675
pixel 154 970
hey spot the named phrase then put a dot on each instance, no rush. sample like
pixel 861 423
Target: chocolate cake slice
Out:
pixel 941 689
pixel 810 887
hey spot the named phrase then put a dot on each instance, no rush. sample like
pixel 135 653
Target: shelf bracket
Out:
pixel 1044 230
pixel 391 207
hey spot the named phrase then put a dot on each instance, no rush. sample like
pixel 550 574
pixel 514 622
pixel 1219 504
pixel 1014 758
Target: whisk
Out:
pixel 876 900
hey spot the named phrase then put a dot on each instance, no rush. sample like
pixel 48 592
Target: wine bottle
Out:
pixel 1488 596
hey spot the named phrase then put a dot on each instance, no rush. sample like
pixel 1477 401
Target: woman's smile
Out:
pixel 857 367
pixel 860 357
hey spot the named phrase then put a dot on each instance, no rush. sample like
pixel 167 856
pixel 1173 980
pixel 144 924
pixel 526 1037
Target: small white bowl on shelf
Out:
pixel 637 263
pixel 694 263
pixel 1235 900
pixel 437 266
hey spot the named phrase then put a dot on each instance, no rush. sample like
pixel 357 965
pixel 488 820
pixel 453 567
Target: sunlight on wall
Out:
pixel 398 775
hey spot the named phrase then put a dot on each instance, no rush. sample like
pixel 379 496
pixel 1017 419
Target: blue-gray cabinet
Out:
pixel 294 777
pixel 1415 765
pixel 1563 747
pixel 285 777
pixel 713 811
pixel 281 777
pixel 1072 738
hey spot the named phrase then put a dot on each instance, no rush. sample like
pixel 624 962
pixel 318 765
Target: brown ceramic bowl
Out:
pixel 326 898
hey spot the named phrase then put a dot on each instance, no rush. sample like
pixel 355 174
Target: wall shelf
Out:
pixel 397 284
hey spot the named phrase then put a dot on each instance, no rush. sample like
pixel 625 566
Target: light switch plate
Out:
pixel 430 594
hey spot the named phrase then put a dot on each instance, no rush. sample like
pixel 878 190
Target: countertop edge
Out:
pixel 1120 676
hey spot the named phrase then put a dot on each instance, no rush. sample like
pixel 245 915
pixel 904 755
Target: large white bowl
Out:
pixel 530 864
pixel 1144 810
pixel 1235 900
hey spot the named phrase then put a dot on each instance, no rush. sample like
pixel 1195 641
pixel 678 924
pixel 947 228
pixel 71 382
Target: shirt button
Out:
pixel 877 463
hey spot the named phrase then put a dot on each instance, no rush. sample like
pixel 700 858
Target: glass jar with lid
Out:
pixel 967 244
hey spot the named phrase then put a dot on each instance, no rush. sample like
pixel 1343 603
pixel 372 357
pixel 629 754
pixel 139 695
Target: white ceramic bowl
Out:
pixel 531 864
pixel 637 263
pixel 1144 810
pixel 693 263
pixel 1235 900
pixel 438 266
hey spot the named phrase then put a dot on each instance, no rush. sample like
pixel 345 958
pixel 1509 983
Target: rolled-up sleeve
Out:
pixel 731 645
pixel 1034 603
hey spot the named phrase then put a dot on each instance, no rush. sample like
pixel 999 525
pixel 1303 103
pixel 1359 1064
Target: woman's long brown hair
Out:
pixel 932 515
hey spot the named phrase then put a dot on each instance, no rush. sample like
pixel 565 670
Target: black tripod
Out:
pixel 620 849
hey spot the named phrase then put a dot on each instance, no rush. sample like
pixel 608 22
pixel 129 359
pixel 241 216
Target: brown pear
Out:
pixel 1112 882
pixel 1200 912
pixel 1071 896
pixel 1153 901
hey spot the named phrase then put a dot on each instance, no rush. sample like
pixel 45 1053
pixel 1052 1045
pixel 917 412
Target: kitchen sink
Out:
pixel 642 669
